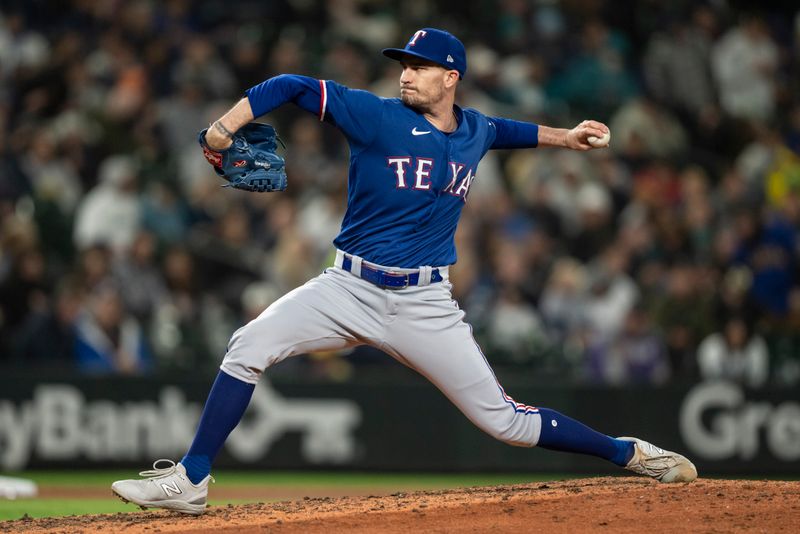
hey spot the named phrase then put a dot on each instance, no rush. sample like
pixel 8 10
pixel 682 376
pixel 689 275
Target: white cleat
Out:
pixel 167 488
pixel 661 464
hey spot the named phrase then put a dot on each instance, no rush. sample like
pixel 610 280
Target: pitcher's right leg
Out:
pixel 323 314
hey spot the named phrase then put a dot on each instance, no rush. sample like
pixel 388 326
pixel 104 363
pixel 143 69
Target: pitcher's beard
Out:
pixel 409 99
pixel 413 100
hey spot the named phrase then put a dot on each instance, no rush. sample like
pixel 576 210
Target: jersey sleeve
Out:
pixel 356 113
pixel 512 134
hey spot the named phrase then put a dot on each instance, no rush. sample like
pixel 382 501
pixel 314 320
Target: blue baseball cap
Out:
pixel 434 45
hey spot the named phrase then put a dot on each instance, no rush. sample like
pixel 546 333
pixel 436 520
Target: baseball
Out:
pixel 600 142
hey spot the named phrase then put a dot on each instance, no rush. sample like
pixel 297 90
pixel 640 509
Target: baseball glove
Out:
pixel 250 163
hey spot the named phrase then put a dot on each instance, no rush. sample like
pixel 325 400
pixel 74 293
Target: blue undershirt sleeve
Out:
pixel 274 92
pixel 513 134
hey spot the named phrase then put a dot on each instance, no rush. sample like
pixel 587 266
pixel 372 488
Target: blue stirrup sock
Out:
pixel 224 408
pixel 560 433
pixel 229 398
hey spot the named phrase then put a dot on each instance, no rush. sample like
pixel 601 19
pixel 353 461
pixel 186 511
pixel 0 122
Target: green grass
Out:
pixel 58 507
pixel 102 480
pixel 288 478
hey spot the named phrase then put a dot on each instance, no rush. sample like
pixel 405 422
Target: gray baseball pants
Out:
pixel 420 326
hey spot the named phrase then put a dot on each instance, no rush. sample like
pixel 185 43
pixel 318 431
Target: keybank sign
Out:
pixel 718 422
pixel 722 427
pixel 60 424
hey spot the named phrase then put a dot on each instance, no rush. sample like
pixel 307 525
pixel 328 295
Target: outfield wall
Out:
pixel 111 422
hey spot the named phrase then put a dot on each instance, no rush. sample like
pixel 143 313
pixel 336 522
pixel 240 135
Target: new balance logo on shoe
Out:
pixel 165 487
pixel 171 489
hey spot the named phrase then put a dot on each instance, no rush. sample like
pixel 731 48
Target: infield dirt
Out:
pixel 608 505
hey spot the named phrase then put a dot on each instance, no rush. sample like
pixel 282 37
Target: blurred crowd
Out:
pixel 668 258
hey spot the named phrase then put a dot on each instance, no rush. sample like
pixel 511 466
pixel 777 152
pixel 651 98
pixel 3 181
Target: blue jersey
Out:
pixel 408 181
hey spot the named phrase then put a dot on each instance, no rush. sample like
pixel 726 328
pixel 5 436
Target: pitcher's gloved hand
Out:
pixel 250 163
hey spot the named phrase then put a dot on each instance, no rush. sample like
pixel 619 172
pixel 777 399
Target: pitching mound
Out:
pixel 589 505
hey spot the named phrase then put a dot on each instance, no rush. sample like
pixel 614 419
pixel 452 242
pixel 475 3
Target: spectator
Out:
pixel 177 329
pixel 684 317
pixel 24 292
pixel 734 298
pixel 94 266
pixel 52 177
pixel 164 213
pixel 745 63
pixel 597 81
pixel 537 203
pixel 636 355
pixel 698 212
pixel 642 129
pixel 610 295
pixel 202 66
pixel 570 174
pixel 514 327
pixel 767 249
pixel 110 214
pixel 48 337
pixel 595 222
pixel 733 196
pixel 677 65
pixel 141 283
pixel 109 340
pixel 562 303
pixel 539 258
pixel 21 47
pixel 309 162
pixel 734 354
pixel 522 78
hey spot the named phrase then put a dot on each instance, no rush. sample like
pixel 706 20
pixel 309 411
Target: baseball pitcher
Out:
pixel 412 162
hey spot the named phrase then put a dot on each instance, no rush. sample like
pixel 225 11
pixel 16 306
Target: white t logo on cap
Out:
pixel 417 35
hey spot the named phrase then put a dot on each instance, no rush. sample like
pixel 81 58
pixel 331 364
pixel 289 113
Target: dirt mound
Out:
pixel 588 505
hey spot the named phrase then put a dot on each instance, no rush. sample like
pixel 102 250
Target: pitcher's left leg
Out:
pixel 430 335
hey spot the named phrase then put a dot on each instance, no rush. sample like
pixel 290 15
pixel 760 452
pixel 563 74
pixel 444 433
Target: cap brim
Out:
pixel 399 53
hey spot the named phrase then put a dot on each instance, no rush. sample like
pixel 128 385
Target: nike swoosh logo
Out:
pixel 417 132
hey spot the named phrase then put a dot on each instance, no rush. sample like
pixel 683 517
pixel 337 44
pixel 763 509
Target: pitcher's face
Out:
pixel 422 83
